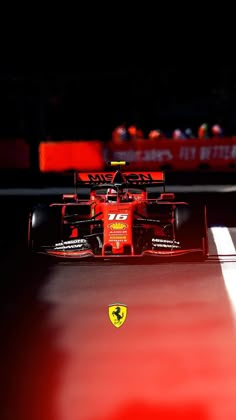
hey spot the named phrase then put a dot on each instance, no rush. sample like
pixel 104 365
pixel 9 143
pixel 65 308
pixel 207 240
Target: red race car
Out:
pixel 117 214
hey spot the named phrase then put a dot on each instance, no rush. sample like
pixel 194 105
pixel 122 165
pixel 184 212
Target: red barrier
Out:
pixel 70 155
pixel 212 154
pixel 14 154
pixel 195 154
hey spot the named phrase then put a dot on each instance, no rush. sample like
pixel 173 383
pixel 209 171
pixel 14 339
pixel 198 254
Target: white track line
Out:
pixel 70 190
pixel 226 251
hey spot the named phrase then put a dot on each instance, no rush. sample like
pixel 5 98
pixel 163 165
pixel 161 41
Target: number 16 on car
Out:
pixel 119 216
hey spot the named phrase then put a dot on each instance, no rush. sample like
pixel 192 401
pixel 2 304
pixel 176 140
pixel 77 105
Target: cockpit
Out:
pixel 118 196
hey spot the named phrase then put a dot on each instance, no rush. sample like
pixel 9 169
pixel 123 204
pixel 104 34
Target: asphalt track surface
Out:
pixel 62 359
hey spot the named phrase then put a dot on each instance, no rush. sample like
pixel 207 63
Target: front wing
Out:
pixel 88 253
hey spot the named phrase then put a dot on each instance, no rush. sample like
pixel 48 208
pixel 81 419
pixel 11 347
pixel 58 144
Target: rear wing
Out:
pixel 90 178
pixel 129 179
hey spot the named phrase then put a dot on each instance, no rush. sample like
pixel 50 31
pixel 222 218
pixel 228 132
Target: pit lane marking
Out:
pixel 226 250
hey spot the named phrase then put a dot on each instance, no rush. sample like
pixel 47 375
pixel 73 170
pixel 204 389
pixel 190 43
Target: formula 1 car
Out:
pixel 125 214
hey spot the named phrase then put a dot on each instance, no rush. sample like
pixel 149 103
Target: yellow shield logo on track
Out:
pixel 117 314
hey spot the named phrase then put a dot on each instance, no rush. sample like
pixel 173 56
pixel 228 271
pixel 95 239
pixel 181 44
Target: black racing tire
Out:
pixel 44 226
pixel 190 227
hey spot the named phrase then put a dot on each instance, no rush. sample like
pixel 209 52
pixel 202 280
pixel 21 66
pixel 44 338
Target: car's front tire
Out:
pixel 44 227
pixel 190 226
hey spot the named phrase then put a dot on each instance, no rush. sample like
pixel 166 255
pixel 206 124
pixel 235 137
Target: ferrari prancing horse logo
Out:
pixel 117 314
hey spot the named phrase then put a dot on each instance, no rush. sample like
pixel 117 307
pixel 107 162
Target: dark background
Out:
pixel 89 104
pixel 83 105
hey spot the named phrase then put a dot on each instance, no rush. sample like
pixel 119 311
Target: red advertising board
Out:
pixel 166 154
pixel 62 156
pixel 213 154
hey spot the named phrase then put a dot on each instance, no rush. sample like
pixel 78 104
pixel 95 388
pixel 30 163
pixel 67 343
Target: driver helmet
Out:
pixel 111 196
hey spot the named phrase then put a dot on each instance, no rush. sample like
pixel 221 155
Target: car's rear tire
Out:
pixel 44 227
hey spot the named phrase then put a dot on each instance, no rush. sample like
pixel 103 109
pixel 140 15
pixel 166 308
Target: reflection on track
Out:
pixel 62 359
pixel 175 355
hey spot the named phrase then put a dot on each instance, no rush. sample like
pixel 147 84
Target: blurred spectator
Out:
pixel 189 133
pixel 135 132
pixel 120 133
pixel 216 130
pixel 203 131
pixel 155 135
pixel 178 134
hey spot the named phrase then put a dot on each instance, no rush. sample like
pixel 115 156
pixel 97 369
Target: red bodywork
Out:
pixel 117 219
